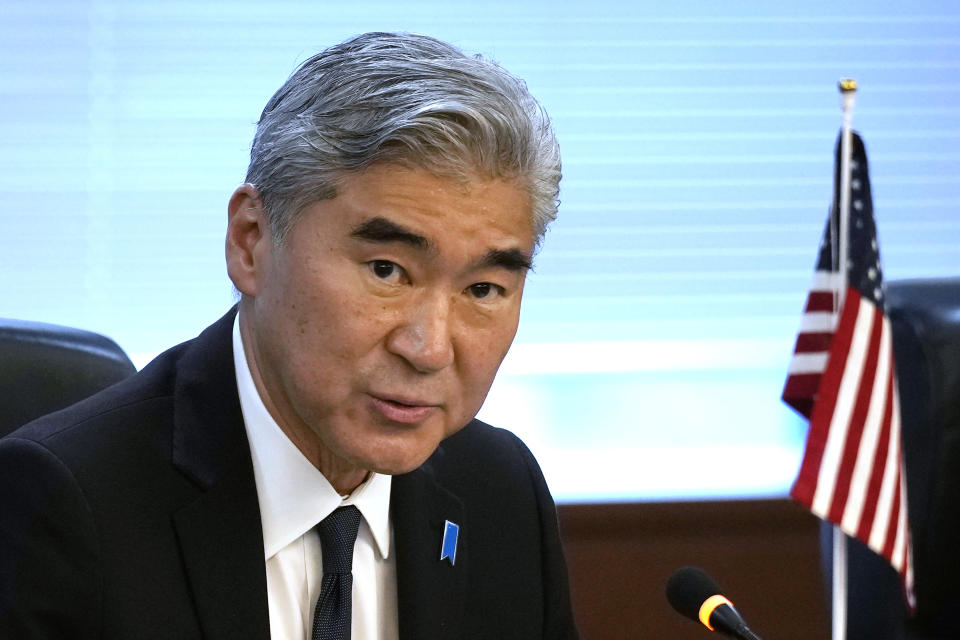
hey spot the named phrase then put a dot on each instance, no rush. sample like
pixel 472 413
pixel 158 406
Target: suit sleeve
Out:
pixel 49 580
pixel 558 620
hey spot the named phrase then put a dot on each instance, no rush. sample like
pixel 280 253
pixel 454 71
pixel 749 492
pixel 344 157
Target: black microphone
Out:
pixel 694 594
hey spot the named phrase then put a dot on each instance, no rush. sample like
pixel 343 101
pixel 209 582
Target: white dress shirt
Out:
pixel 294 496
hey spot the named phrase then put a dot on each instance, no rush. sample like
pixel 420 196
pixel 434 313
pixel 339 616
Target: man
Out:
pixel 396 193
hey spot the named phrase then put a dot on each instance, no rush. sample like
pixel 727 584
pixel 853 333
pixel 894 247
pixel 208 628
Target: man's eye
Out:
pixel 386 270
pixel 485 290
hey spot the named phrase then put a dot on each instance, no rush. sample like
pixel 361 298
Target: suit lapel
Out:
pixel 430 593
pixel 220 535
pixel 222 546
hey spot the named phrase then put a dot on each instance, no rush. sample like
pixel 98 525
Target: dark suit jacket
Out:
pixel 134 515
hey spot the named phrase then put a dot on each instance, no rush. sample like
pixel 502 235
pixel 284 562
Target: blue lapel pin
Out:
pixel 448 548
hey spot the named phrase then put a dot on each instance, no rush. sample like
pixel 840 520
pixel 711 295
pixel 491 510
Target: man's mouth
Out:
pixel 403 410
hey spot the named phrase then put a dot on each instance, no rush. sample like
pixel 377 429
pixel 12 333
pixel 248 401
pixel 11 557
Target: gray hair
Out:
pixel 405 99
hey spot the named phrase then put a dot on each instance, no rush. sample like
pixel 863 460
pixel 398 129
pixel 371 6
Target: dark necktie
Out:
pixel 338 532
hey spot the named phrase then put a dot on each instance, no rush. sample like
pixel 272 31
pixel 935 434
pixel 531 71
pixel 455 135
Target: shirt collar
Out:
pixel 293 495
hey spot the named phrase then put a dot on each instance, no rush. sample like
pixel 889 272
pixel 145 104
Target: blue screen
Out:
pixel 698 148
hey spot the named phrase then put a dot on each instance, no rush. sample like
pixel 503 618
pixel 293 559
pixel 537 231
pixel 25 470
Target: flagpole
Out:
pixel 839 584
pixel 848 92
pixel 848 89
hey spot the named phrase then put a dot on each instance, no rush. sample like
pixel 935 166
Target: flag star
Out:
pixel 858 205
pixel 855 184
pixel 877 293
pixel 859 223
pixel 854 165
pixel 872 273
pixel 873 244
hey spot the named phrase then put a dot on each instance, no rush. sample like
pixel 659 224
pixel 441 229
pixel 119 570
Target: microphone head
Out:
pixel 688 588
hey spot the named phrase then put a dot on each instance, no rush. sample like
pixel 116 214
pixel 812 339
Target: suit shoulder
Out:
pixel 481 440
pixel 48 544
pixel 105 416
pixel 481 451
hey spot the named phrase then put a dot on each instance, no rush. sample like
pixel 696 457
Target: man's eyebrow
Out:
pixel 382 230
pixel 509 259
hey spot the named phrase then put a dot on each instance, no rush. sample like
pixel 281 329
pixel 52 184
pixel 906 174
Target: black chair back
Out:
pixel 45 367
pixel 925 317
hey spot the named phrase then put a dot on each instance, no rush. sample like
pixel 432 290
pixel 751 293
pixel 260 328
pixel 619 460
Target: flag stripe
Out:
pixel 903 562
pixel 822 301
pixel 826 399
pixel 817 322
pixel 892 529
pixel 809 363
pixel 802 386
pixel 876 402
pixel 826 280
pixel 854 425
pixel 872 491
pixel 834 419
pixel 814 342
pixel 888 483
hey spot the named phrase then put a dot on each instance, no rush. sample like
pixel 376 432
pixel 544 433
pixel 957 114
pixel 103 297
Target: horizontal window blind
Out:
pixel 697 140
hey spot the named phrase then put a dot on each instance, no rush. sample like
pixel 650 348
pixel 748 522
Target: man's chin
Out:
pixel 397 460
pixel 398 452
pixel 399 466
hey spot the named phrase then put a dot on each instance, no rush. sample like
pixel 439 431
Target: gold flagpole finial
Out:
pixel 847 85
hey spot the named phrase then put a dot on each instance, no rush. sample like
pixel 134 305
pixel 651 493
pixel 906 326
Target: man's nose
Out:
pixel 423 337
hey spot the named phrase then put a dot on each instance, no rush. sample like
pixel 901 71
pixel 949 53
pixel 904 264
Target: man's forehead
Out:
pixel 387 187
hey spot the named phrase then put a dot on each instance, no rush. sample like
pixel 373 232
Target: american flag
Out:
pixel 842 379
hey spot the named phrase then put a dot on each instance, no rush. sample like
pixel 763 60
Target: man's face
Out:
pixel 376 329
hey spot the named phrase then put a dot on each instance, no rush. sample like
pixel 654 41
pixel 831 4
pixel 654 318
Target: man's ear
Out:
pixel 248 240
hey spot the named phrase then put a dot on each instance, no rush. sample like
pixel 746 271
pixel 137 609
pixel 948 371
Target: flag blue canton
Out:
pixel 863 264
